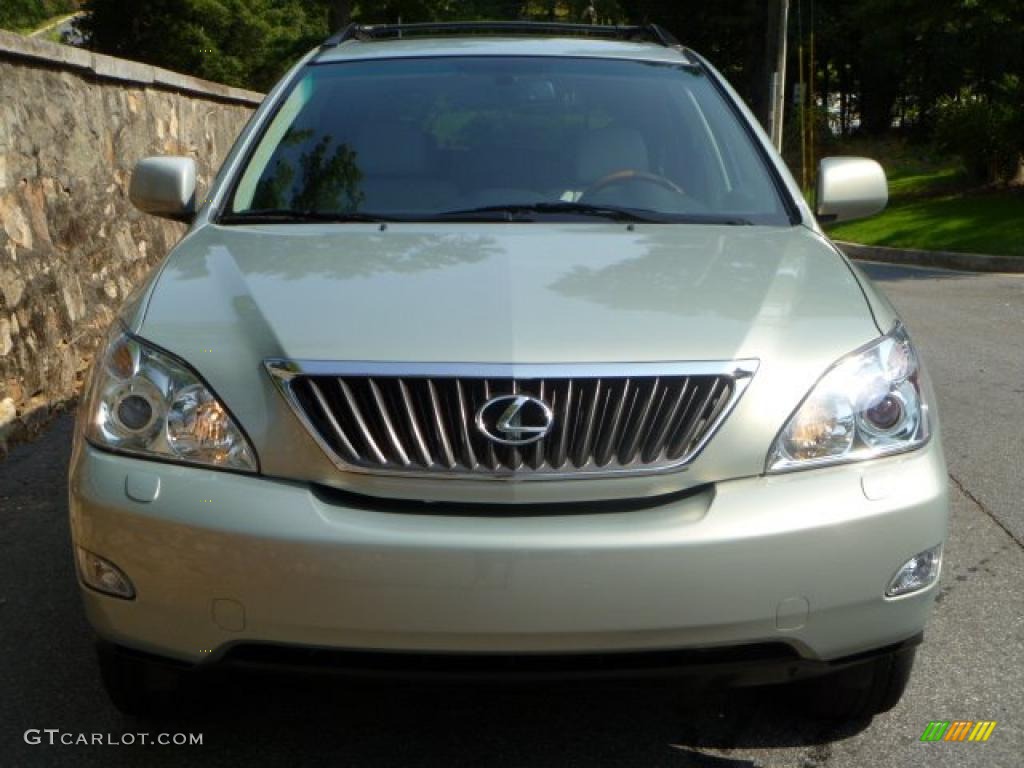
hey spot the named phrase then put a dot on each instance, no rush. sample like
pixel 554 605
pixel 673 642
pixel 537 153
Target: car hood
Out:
pixel 230 297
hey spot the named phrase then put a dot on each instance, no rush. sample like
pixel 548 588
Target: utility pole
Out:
pixel 811 100
pixel 779 79
pixel 802 100
pixel 340 14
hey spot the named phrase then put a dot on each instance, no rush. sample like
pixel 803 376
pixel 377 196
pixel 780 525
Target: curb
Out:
pixel 965 262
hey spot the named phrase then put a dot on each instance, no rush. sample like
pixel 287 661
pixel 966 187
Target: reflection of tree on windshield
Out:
pixel 327 182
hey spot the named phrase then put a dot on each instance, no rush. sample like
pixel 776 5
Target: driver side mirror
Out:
pixel 850 188
pixel 165 186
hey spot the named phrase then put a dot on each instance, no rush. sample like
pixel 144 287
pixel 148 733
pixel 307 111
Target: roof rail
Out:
pixel 647 33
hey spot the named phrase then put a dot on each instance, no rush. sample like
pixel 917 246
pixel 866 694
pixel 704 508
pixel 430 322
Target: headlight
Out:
pixel 869 404
pixel 144 401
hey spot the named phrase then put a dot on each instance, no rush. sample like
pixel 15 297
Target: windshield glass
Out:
pixel 525 137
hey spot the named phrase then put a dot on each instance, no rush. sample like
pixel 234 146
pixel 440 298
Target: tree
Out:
pixel 885 63
pixel 952 65
pixel 247 43
pixel 739 37
pixel 340 13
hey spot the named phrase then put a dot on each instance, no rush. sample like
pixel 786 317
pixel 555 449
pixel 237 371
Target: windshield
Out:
pixel 513 138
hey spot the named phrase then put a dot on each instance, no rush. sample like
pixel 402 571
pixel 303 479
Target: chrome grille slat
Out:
pixel 688 427
pixel 536 451
pixel 329 415
pixel 654 452
pixel 357 414
pixel 410 414
pixel 606 443
pixel 441 427
pixel 400 422
pixel 586 436
pixel 661 411
pixel 389 425
pixel 464 423
pixel 657 440
pixel 490 450
pixel 628 430
pixel 561 453
pixel 641 425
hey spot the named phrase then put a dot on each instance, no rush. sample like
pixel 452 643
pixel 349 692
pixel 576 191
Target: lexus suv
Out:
pixel 508 350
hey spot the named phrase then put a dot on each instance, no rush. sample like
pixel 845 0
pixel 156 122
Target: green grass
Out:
pixel 932 207
pixel 983 223
pixel 25 23
pixel 907 182
pixel 29 28
pixel 53 35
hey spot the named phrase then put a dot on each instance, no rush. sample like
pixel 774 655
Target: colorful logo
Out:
pixel 958 730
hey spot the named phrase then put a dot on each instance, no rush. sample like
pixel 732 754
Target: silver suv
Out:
pixel 509 349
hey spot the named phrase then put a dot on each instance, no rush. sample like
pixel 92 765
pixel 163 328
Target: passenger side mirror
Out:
pixel 165 186
pixel 850 188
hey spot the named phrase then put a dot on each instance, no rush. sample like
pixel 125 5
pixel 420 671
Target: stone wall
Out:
pixel 72 125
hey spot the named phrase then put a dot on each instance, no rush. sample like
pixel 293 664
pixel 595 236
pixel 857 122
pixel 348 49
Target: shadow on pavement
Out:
pixel 387 723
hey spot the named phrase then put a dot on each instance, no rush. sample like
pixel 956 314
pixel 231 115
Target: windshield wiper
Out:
pixel 521 212
pixel 516 211
pixel 504 213
pixel 293 216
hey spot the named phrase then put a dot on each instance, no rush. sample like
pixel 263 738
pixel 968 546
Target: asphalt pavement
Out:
pixel 970 329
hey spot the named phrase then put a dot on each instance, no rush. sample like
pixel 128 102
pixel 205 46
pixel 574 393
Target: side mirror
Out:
pixel 850 188
pixel 165 186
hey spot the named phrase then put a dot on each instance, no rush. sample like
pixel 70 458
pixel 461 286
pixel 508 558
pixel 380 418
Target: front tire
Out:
pixel 859 692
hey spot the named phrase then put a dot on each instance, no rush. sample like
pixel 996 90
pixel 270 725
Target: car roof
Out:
pixel 494 45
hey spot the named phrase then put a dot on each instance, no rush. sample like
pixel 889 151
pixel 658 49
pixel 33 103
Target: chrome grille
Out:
pixel 421 420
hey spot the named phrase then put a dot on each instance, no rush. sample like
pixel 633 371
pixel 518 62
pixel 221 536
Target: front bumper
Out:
pixel 222 561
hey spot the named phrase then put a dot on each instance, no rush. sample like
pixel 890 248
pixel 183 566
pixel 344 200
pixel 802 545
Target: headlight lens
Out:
pixel 143 400
pixel 869 404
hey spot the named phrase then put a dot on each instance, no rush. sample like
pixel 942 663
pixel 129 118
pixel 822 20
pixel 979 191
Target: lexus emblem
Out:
pixel 515 419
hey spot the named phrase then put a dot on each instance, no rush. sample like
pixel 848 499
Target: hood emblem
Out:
pixel 515 419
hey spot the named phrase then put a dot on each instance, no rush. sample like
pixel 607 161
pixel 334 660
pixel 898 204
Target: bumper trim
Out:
pixel 736 666
pixel 353 500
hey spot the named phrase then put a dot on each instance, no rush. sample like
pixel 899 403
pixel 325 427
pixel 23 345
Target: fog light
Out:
pixel 917 573
pixel 103 576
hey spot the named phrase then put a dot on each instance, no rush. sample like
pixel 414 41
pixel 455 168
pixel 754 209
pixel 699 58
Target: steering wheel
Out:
pixel 621 177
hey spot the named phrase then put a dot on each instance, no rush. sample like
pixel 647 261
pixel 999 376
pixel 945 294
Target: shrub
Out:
pixel 986 134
